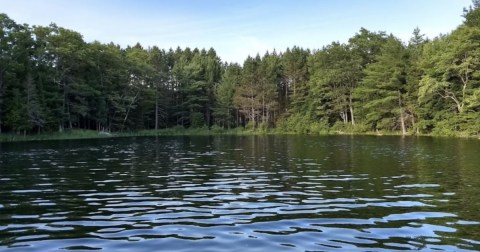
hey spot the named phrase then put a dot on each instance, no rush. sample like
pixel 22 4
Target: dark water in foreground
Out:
pixel 337 193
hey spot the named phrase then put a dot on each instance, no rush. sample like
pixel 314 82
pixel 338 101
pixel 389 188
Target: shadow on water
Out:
pixel 252 193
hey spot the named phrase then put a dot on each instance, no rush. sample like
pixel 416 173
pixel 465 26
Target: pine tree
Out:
pixel 268 77
pixel 335 73
pixel 295 76
pixel 414 74
pixel 247 95
pixel 383 89
pixel 224 108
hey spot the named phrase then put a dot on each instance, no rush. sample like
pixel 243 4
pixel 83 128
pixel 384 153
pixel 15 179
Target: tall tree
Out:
pixel 8 49
pixel 451 83
pixel 383 89
pixel 65 51
pixel 295 76
pixel 414 75
pixel 197 73
pixel 224 93
pixel 336 72
pixel 269 75
pixel 159 62
pixel 136 94
pixel 247 94
pixel 451 66
pixel 367 45
pixel 472 14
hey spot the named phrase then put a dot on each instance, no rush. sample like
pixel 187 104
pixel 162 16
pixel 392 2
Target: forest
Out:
pixel 53 80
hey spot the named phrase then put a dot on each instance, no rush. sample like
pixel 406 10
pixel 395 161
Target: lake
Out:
pixel 255 193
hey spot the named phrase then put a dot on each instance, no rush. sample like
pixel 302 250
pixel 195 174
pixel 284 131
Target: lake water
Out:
pixel 274 193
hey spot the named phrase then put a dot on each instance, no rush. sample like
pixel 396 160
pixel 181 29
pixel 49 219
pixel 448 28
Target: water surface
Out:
pixel 275 193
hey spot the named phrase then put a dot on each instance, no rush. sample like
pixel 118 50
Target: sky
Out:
pixel 237 28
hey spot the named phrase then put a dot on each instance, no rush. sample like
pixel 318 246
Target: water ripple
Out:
pixel 212 194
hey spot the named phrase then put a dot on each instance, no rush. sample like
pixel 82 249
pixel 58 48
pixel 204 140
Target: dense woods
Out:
pixel 52 80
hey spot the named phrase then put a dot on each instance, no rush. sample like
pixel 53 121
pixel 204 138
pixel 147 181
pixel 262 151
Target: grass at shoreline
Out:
pixel 91 134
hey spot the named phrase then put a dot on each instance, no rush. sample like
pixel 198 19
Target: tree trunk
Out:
pixel 343 116
pixel 460 107
pixel 208 115
pixel 237 117
pixel 253 105
pixel 294 89
pixel 128 110
pixel 267 118
pixel 70 125
pixel 350 106
pixel 274 116
pixel 65 108
pixel 414 125
pixel 263 108
pixel 286 97
pixel 402 122
pixel 402 119
pixel 156 108
pixel 253 117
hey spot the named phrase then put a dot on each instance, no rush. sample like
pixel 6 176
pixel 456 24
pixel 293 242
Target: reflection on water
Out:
pixel 291 193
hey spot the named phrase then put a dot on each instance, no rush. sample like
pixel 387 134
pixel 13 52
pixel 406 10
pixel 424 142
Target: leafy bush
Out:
pixel 319 127
pixel 302 124
pixel 217 129
pixel 263 127
pixel 197 120
pixel 458 125
pixel 250 126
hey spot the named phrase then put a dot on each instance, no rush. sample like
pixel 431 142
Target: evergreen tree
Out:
pixel 295 76
pixel 15 112
pixel 158 60
pixel 382 92
pixel 414 75
pixel 335 73
pixel 268 76
pixel 8 57
pixel 224 108
pixel 247 95
pixel 472 14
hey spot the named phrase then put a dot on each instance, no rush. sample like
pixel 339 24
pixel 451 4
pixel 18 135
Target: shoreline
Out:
pixel 92 134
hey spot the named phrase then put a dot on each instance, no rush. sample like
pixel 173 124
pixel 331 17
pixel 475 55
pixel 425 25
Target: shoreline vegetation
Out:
pixel 214 131
pixel 51 80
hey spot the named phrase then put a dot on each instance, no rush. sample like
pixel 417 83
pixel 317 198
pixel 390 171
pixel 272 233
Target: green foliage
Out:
pixel 472 14
pixel 335 73
pixel 52 80
pixel 458 125
pixel 217 129
pixel 293 87
pixel 302 124
pixel 224 107
pixel 16 116
pixel 383 90
pixel 197 120
pixel 451 66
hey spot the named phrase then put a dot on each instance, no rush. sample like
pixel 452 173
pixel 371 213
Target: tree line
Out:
pixel 52 80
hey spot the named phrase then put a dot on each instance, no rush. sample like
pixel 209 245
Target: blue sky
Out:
pixel 237 28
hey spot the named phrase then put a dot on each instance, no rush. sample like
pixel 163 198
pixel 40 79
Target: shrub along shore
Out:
pixel 204 131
